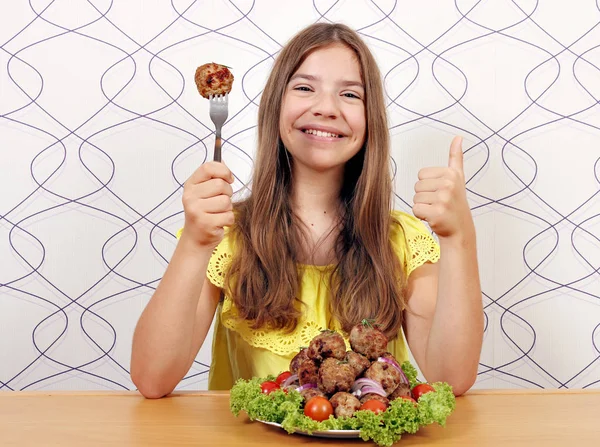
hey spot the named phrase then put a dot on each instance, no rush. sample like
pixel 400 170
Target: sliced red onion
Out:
pixel 389 361
pixel 291 379
pixel 306 386
pixel 372 389
pixel 404 377
pixel 364 386
pixel 360 383
pixel 395 365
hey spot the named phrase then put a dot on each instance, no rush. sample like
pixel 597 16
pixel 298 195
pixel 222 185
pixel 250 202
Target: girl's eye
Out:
pixel 302 88
pixel 351 95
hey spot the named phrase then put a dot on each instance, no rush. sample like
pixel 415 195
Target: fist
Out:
pixel 441 198
pixel 207 204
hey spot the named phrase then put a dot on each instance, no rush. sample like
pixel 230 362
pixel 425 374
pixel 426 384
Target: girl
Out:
pixel 316 245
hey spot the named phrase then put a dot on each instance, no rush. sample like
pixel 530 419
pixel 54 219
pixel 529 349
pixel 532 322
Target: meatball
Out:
pixel 309 393
pixel 327 344
pixel 299 358
pixel 308 372
pixel 358 362
pixel 344 404
pixel 368 341
pixel 401 390
pixel 335 375
pixel 213 79
pixel 373 396
pixel 388 376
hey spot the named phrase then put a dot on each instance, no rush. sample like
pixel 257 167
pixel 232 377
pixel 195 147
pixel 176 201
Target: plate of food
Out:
pixel 333 392
pixel 342 434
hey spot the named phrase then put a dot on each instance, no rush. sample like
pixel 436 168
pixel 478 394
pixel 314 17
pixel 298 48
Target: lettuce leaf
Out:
pixel 437 406
pixel 373 427
pixel 386 428
pixel 242 393
pixel 273 407
pixel 410 372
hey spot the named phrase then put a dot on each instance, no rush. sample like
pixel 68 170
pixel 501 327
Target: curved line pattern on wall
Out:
pixel 101 124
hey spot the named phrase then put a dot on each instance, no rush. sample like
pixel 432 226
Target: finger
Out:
pixel 423 211
pixel 425 197
pixel 455 159
pixel 225 219
pixel 430 185
pixel 217 204
pixel 211 188
pixel 211 169
pixel 428 173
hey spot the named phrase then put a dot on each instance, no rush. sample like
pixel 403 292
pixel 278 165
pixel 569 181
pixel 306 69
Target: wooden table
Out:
pixel 482 418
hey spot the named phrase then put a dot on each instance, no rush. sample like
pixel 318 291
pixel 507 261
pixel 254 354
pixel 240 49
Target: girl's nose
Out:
pixel 326 105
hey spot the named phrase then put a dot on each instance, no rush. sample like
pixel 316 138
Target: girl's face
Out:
pixel 322 122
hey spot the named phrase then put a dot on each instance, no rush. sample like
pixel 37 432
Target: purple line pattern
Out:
pixel 101 124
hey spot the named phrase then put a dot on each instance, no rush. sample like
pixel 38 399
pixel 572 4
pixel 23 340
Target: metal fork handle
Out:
pixel 217 152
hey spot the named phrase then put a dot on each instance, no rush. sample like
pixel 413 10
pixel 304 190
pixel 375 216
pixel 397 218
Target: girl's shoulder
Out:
pixel 220 258
pixel 412 241
pixel 408 223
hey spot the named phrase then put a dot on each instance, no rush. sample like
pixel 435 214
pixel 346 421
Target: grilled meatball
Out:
pixel 335 375
pixel 358 362
pixel 373 396
pixel 327 344
pixel 213 79
pixel 368 341
pixel 308 372
pixel 401 390
pixel 299 358
pixel 344 404
pixel 309 393
pixel 388 376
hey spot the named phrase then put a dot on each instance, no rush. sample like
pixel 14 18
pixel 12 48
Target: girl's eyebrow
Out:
pixel 345 83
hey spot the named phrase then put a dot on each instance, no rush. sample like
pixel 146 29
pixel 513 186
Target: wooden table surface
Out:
pixel 482 418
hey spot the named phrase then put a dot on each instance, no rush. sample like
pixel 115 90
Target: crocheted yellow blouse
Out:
pixel 241 352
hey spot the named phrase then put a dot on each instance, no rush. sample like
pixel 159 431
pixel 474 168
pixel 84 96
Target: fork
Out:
pixel 218 115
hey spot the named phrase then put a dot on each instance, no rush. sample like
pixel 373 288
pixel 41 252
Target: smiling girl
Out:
pixel 317 244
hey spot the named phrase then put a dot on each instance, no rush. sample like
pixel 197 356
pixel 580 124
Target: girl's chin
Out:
pixel 320 165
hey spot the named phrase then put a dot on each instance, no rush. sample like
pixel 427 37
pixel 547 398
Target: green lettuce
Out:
pixel 410 372
pixel 273 407
pixel 437 406
pixel 402 416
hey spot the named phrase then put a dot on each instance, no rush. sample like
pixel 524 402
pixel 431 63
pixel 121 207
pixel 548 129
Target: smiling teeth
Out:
pixel 318 133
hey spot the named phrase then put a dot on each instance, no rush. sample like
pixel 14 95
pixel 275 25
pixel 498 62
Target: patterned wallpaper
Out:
pixel 101 123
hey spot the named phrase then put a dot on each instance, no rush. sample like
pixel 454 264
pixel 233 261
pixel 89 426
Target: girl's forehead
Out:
pixel 333 59
pixel 336 50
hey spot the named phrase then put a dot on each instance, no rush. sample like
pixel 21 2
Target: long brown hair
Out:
pixel 367 281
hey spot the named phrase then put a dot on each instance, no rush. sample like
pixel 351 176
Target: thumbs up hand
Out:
pixel 441 198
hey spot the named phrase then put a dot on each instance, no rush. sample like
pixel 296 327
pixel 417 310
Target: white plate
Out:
pixel 347 434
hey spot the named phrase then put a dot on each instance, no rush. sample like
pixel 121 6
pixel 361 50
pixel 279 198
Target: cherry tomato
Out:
pixel 318 408
pixel 373 405
pixel 408 398
pixel 420 389
pixel 282 377
pixel 268 387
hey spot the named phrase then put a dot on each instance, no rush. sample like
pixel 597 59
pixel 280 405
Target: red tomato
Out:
pixel 318 408
pixel 373 405
pixel 420 389
pixel 282 377
pixel 408 398
pixel 268 387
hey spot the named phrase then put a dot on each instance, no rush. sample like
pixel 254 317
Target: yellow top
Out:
pixel 239 351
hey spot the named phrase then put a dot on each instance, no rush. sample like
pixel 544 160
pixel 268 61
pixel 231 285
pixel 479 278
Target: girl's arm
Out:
pixel 174 324
pixel 444 315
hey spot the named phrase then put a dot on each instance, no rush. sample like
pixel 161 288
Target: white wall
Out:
pixel 101 123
